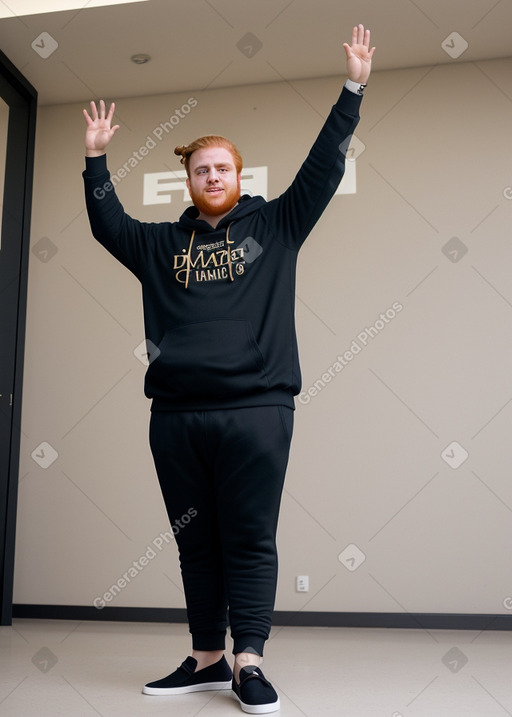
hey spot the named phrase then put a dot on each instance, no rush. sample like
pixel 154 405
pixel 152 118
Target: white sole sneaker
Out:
pixel 202 687
pixel 257 709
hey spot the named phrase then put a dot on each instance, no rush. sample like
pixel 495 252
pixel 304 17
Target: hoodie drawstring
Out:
pixel 230 265
pixel 190 245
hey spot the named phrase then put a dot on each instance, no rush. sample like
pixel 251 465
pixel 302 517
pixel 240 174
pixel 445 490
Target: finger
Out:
pixel 370 54
pixel 102 109
pixel 354 35
pixel 111 111
pixel 94 110
pixel 87 117
pixel 348 50
pixel 367 38
pixel 360 34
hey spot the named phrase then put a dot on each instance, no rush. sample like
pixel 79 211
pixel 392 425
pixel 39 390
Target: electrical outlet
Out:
pixel 302 583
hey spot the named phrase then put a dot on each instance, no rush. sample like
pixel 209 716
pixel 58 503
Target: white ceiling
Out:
pixel 199 44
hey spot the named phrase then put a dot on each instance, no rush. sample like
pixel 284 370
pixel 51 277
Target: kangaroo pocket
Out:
pixel 209 359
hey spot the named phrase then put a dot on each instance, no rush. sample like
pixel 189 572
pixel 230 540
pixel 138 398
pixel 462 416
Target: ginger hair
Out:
pixel 209 140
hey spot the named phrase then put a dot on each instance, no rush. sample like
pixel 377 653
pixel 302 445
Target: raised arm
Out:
pixel 298 209
pixel 359 55
pixel 124 237
pixel 99 130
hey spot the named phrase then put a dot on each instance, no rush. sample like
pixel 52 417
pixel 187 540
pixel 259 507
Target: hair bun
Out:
pixel 181 152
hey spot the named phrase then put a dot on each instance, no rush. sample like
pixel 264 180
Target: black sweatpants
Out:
pixel 224 470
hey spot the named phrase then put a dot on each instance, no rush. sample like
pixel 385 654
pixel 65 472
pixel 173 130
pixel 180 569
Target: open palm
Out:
pixel 359 55
pixel 99 130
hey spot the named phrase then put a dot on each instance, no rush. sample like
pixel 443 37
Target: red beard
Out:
pixel 215 205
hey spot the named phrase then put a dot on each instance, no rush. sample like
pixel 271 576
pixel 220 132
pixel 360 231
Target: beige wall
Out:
pixel 366 466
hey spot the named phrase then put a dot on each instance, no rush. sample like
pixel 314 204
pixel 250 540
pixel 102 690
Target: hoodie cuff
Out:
pixel 348 102
pixel 94 166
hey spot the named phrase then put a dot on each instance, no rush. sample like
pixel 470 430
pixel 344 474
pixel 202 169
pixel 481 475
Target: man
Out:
pixel 218 293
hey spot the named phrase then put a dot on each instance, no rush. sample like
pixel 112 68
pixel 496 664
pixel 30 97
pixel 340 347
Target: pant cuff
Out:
pixel 249 643
pixel 209 641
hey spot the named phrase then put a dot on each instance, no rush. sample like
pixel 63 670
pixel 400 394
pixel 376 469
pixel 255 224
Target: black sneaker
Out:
pixel 184 679
pixel 255 694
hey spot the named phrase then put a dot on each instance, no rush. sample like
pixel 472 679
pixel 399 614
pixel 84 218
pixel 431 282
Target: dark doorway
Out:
pixel 18 102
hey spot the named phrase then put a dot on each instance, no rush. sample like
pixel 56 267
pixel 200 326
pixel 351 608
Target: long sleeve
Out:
pixel 295 212
pixel 125 238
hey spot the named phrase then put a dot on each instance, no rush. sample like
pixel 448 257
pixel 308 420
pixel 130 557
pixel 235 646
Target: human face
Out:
pixel 214 184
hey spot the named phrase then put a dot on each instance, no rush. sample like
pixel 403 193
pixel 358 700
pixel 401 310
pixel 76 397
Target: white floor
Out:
pixel 50 668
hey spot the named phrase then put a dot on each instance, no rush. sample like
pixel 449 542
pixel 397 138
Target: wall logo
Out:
pixel 160 187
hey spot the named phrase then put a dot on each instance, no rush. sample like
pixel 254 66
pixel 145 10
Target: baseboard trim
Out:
pixel 282 618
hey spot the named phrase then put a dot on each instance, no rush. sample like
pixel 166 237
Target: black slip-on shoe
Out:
pixel 255 693
pixel 184 679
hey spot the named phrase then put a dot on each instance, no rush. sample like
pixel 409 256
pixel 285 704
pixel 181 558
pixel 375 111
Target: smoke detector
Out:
pixel 140 58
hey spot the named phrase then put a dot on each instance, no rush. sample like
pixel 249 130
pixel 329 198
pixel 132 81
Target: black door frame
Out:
pixel 21 98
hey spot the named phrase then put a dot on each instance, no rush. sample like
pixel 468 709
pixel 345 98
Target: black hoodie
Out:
pixel 219 303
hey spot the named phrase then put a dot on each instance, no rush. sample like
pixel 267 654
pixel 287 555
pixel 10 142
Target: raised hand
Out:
pixel 99 130
pixel 359 55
